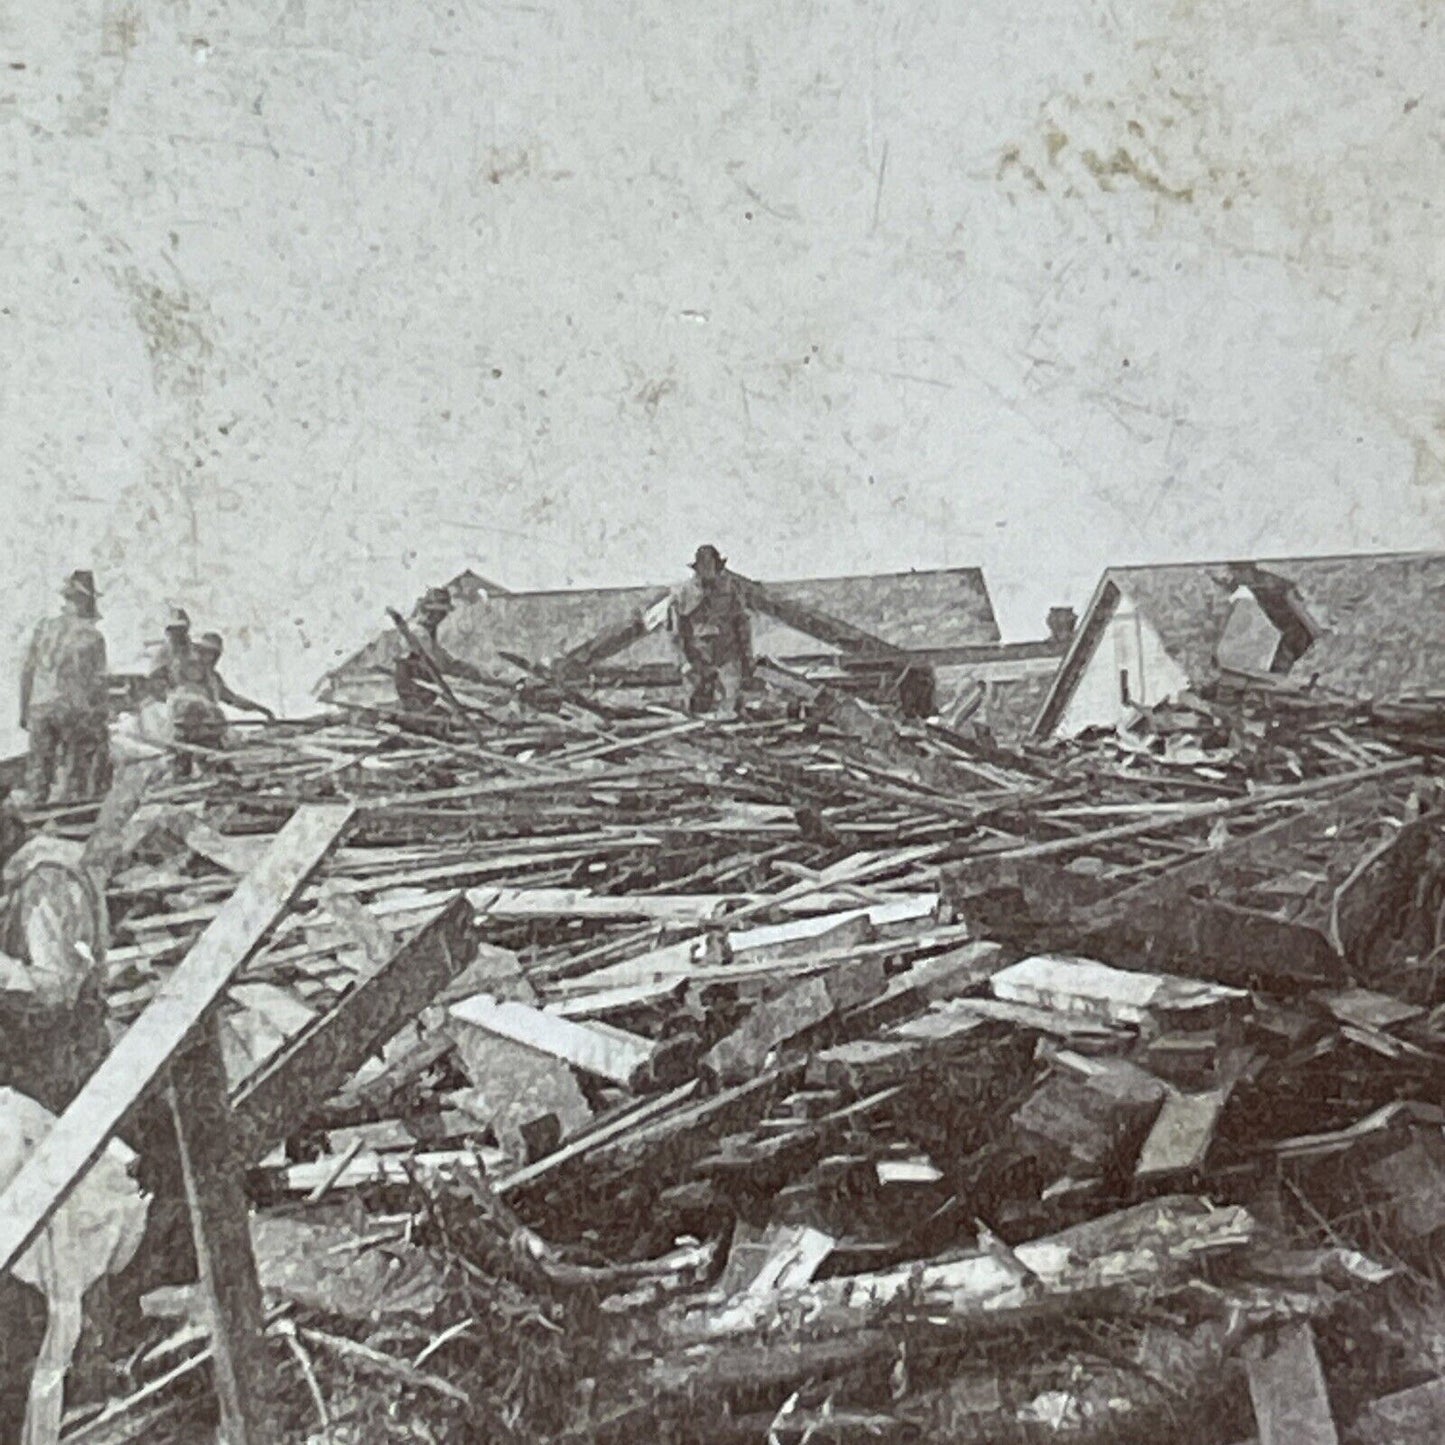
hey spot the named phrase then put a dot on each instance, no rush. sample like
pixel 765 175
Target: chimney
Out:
pixel 1061 623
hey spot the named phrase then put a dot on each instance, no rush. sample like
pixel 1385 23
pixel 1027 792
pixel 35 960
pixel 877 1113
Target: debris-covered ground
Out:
pixel 823 1077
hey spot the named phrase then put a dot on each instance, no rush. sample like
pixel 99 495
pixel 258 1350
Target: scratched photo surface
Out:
pixel 722 722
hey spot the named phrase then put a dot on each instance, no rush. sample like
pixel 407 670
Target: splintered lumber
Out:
pixel 516 1090
pixel 947 975
pixel 319 1060
pixel 1138 1249
pixel 320 1267
pixel 670 1139
pixel 675 910
pixel 1408 1417
pixel 1083 1124
pixel 1219 939
pixel 398 1167
pixel 774 1021
pixel 1287 1387
pixel 1113 995
pixel 601 1134
pixel 1181 1135
pixel 1367 1009
pixel 608 1053
pixel 146 1049
pixel 780 1258
pixel 1411 1183
pixel 813 623
pixel 865 1065
pixel 1223 808
pixel 220 1226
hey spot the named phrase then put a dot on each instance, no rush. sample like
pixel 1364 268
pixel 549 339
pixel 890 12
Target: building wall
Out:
pixel 1128 645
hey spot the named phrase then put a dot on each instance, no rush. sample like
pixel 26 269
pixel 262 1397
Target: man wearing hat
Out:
pixel 169 662
pixel 196 695
pixel 63 698
pixel 415 689
pixel 710 622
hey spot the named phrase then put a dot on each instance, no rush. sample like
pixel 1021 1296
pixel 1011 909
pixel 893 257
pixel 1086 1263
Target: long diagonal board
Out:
pixel 146 1050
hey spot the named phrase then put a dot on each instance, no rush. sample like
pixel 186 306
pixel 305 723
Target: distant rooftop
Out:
pixel 940 608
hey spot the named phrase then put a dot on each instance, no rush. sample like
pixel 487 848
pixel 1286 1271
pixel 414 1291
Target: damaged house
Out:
pixel 1366 626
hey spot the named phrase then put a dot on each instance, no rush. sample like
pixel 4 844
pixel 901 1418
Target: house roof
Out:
pixel 1382 614
pixel 943 608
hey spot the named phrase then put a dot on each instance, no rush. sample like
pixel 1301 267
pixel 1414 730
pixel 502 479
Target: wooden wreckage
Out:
pixel 553 1069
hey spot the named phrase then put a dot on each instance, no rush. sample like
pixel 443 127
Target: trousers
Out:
pixel 714 687
pixel 71 742
pixel 196 724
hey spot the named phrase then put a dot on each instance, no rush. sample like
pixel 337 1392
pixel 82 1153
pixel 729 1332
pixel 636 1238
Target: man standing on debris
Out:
pixel 63 702
pixel 415 689
pixel 710 621
pixel 196 695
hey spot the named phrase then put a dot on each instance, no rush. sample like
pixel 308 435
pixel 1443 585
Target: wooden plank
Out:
pixel 603 1133
pixel 607 643
pixel 141 1055
pixel 1112 995
pixel 773 1022
pixel 1195 812
pixel 608 1053
pixel 1136 1250
pixel 221 1226
pixel 1410 1417
pixel 813 623
pixel 1179 1140
pixel 1287 1386
pixel 320 1059
pixel 670 908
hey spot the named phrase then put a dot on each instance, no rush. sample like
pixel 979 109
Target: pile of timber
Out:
pixel 820 1076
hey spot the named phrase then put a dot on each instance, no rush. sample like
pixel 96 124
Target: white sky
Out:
pixel 308 304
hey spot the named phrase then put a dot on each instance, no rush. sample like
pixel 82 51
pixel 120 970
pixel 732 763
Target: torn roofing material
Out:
pixel 1365 626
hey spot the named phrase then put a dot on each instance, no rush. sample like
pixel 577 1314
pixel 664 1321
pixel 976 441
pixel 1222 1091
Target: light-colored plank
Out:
pixel 606 1052
pixel 147 1048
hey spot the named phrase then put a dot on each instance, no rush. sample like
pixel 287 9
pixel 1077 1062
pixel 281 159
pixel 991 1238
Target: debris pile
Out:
pixel 822 1076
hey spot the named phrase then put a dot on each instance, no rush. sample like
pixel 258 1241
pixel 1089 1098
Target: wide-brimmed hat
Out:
pixel 210 641
pixel 435 599
pixel 707 552
pixel 179 620
pixel 80 586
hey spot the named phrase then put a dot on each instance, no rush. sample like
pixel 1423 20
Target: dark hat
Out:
pixel 435 599
pixel 179 620
pixel 81 586
pixel 211 640
pixel 711 553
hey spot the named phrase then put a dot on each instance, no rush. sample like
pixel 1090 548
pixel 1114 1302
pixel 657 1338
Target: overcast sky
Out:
pixel 310 303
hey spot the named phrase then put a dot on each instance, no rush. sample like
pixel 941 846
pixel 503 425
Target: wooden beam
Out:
pixel 1287 1388
pixel 221 1226
pixel 142 1054
pixel 606 1052
pixel 809 621
pixel 322 1057
pixel 607 643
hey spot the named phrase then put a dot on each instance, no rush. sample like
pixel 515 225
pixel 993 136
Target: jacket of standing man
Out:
pixel 415 690
pixel 63 701
pixel 710 620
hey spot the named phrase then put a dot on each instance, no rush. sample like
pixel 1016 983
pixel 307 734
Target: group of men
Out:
pixel 185 677
pixel 707 617
pixel 65 701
